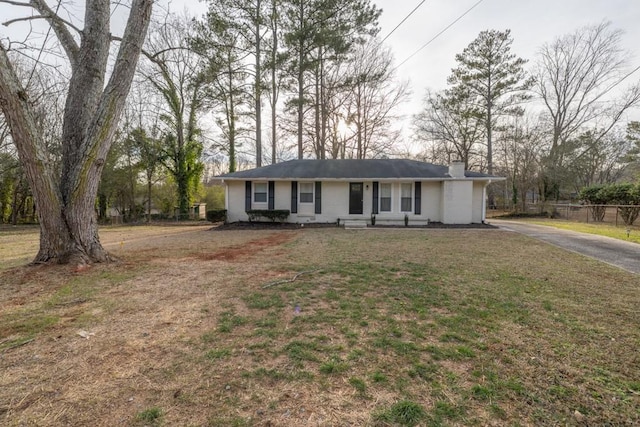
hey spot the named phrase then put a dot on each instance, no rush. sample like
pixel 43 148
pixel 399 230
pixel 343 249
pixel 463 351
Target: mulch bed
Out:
pixel 292 226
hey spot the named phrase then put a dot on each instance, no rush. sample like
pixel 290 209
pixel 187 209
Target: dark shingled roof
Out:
pixel 349 169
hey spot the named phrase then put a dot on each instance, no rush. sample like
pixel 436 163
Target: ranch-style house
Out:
pixel 387 191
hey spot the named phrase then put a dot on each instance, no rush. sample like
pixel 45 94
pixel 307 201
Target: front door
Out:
pixel 356 196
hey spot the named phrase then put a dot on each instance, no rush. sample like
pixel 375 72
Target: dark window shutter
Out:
pixel 374 207
pixel 318 197
pixel 418 198
pixel 294 196
pixel 247 196
pixel 272 195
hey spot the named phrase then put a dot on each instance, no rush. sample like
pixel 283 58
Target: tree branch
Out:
pixel 293 279
pixel 153 56
pixel 30 18
pixel 16 3
pixel 117 88
pixel 59 26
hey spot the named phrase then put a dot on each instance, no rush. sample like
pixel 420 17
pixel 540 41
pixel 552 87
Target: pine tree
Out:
pixel 493 78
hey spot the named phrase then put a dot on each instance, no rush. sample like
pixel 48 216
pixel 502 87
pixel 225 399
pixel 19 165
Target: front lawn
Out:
pixel 380 327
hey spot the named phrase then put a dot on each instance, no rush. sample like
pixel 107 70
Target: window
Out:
pixel 260 192
pixel 385 197
pixel 405 197
pixel 306 192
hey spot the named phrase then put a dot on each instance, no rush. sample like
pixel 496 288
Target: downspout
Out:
pixel 226 196
pixel 484 201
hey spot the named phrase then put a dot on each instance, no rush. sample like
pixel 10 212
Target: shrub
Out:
pixel 217 215
pixel 629 195
pixel 625 194
pixel 273 214
pixel 595 196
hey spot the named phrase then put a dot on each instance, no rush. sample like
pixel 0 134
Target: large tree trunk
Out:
pixel 66 204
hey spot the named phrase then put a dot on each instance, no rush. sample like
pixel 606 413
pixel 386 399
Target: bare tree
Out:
pixel 176 75
pixel 65 201
pixel 575 76
pixel 450 129
pixel 596 159
pixel 519 148
pixel 45 89
pixel 632 158
pixel 373 99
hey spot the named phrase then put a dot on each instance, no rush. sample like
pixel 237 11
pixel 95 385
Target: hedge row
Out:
pixel 626 196
pixel 273 214
pixel 217 215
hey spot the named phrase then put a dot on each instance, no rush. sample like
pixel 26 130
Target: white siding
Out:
pixel 478 202
pixel 432 201
pixel 457 202
pixel 283 195
pixel 235 201
pixel 335 201
pixel 450 202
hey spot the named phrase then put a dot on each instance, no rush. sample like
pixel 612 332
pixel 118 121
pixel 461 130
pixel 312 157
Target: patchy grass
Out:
pixel 404 413
pixel 391 327
pixel 18 245
pixel 151 416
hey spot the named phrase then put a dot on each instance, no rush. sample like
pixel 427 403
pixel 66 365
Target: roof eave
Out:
pixel 407 178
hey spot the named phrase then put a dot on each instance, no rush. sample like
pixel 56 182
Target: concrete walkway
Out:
pixel 625 255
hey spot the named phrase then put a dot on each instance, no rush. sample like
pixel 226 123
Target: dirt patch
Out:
pixel 238 252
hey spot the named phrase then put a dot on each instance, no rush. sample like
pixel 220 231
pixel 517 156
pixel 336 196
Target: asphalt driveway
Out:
pixel 625 255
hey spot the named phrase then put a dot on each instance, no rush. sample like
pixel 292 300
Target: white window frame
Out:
pixel 411 196
pixel 266 192
pixel 312 185
pixel 390 197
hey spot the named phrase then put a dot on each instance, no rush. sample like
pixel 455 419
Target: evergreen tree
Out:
pixel 239 28
pixel 318 33
pixel 219 40
pixel 493 78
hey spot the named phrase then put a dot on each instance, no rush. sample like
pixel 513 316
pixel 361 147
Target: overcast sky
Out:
pixel 532 23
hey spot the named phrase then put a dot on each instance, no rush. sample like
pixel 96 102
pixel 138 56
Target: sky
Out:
pixel 532 23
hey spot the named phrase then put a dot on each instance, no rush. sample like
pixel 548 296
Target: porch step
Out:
pixel 351 224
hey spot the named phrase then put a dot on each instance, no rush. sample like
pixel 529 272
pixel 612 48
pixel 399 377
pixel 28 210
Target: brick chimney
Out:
pixel 456 169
